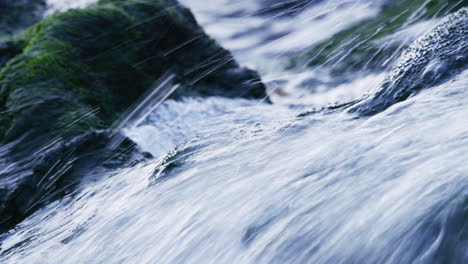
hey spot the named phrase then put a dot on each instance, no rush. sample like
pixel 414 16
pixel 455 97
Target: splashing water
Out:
pixel 62 5
pixel 258 185
pixel 247 182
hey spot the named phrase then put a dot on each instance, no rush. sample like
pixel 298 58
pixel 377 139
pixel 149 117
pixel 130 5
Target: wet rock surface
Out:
pixel 106 56
pixel 77 72
pixel 35 176
pixel 430 60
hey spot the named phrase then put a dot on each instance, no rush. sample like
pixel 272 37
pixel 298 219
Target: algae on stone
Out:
pixel 76 72
pixel 106 56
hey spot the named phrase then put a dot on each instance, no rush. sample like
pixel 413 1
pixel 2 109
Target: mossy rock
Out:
pixel 108 55
pixel 359 47
pixel 75 73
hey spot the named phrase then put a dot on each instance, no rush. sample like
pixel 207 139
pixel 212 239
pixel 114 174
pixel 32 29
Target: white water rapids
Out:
pixel 255 183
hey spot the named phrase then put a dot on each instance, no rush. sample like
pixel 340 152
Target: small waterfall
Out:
pixel 234 180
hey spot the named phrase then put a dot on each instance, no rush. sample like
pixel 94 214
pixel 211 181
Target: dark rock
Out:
pixel 38 176
pixel 430 60
pixel 78 72
pixel 105 57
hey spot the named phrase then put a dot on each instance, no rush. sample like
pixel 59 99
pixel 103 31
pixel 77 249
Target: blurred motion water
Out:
pixel 241 181
pixel 264 40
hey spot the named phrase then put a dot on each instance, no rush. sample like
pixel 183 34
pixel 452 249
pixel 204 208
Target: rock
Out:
pixel 36 178
pixel 77 72
pixel 106 56
pixel 364 47
pixel 430 60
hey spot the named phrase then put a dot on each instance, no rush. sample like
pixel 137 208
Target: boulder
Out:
pixel 106 56
pixel 77 72
pixel 430 60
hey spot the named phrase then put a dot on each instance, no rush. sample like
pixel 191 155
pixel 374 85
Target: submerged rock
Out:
pixel 430 60
pixel 36 178
pixel 78 71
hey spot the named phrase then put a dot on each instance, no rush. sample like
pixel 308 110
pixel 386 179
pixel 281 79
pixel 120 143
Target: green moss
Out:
pixel 76 72
pixel 83 57
pixel 78 120
pixel 105 57
pixel 356 46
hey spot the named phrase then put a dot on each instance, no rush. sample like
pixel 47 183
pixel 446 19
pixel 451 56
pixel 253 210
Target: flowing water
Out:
pixel 241 181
